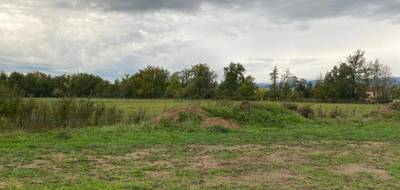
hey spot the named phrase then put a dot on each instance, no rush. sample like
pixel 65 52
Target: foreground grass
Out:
pixel 297 153
pixel 330 155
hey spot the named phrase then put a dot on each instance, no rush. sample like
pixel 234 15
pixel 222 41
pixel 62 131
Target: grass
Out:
pixel 289 153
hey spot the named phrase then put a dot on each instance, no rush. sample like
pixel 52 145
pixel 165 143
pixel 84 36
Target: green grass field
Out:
pixel 274 149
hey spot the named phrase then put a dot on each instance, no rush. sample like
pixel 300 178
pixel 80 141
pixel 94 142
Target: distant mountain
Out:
pixel 263 85
pixel 267 85
pixel 397 79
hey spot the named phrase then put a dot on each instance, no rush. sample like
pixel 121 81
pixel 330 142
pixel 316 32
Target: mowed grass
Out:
pixel 328 154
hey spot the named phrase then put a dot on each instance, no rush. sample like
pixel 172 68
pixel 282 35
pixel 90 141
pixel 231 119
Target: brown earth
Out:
pixel 390 109
pixel 355 169
pixel 175 115
pixel 210 122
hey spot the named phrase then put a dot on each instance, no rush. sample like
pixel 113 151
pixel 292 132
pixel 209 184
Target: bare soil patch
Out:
pixel 175 115
pixel 355 169
pixel 390 109
pixel 256 178
pixel 159 175
pixel 211 122
pixel 204 162
pixel 36 164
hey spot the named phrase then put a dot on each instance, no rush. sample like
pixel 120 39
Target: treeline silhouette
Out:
pixel 354 79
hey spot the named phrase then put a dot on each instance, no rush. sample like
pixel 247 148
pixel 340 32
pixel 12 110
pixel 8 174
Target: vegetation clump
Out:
pixel 65 112
pixel 260 115
pixel 194 114
pixel 306 111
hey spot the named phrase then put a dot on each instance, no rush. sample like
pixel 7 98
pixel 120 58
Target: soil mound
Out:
pixel 175 115
pixel 391 108
pixel 211 122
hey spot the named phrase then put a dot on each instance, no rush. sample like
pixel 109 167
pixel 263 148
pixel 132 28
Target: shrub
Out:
pixel 9 101
pixel 64 134
pixel 321 112
pixel 3 123
pixel 336 113
pixel 395 106
pixel 290 106
pixel 306 111
pixel 137 117
pixel 64 113
pixel 259 115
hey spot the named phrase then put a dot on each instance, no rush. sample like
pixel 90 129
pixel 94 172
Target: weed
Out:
pixel 306 111
pixel 290 106
pixel 336 113
pixel 64 134
pixel 218 129
pixel 137 117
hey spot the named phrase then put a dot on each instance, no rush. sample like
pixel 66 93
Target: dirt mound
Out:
pixel 210 122
pixel 175 115
pixel 390 109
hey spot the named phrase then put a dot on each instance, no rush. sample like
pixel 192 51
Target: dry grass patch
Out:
pixel 355 169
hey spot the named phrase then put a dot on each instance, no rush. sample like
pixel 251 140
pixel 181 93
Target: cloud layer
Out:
pixel 113 38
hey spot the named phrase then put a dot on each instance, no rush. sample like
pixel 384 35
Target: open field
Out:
pixel 154 107
pixel 274 149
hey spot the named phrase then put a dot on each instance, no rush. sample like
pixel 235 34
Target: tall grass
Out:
pixel 63 113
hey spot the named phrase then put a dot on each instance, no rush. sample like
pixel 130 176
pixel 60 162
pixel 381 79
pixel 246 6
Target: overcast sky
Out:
pixel 112 38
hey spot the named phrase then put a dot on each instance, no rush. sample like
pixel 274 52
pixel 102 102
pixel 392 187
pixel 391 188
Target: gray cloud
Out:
pixel 117 37
pixel 278 10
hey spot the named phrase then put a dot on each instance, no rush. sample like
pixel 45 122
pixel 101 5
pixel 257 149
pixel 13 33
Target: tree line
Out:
pixel 352 80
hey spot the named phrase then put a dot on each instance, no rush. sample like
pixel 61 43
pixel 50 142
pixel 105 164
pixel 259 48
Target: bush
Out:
pixel 137 117
pixel 64 113
pixel 336 113
pixel 9 101
pixel 290 106
pixel 321 112
pixel 3 123
pixel 395 106
pixel 306 111
pixel 259 115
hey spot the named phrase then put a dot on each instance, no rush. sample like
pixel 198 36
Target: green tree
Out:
pixel 201 82
pixel 248 88
pixel 381 81
pixel 3 78
pixel 126 87
pixel 358 85
pixel 274 77
pixel 233 79
pixel 150 82
pixel 261 94
pixel 175 86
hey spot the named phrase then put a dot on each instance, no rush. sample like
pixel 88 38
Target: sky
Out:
pixel 112 38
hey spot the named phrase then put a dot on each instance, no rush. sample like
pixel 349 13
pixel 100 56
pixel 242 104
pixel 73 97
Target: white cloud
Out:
pixel 113 38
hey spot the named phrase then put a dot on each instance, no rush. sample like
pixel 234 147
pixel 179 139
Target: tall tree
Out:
pixel 274 76
pixel 248 88
pixel 150 82
pixel 233 78
pixel 381 81
pixel 202 82
pixel 357 62
pixel 175 86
